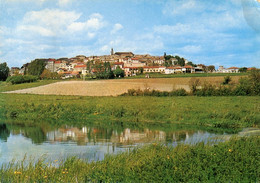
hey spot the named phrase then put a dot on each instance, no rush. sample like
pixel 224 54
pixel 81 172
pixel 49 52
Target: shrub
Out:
pixel 227 80
pixel 22 79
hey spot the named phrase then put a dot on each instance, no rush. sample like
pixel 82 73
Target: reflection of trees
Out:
pixel 35 133
pixel 4 132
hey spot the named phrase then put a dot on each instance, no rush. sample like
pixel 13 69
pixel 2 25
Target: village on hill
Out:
pixel 129 63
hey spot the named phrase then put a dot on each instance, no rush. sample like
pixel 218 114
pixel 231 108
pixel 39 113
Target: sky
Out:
pixel 222 32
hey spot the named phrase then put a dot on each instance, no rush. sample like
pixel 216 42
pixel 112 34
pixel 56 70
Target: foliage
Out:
pixel 194 83
pixel 180 61
pixel 157 93
pixel 211 68
pixel 236 160
pixel 4 71
pixel 47 74
pixel 103 70
pixel 118 72
pixel 227 80
pixel 243 69
pixel 21 79
pixel 36 67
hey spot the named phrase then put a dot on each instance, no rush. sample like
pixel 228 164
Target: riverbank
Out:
pixel 219 112
pixel 236 160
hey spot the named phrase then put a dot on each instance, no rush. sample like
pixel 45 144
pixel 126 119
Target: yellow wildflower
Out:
pixel 17 173
pixel 230 150
pixel 168 157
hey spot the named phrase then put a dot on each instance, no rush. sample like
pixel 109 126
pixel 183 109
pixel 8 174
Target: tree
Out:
pixel 119 72
pixel 47 74
pixel 211 68
pixel 191 64
pixel 140 70
pixel 4 71
pixel 243 69
pixel 180 61
pixel 36 67
pixel 103 70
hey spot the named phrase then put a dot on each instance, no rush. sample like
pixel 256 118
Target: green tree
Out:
pixel 243 69
pixel 140 70
pixel 4 71
pixel 119 72
pixel 36 67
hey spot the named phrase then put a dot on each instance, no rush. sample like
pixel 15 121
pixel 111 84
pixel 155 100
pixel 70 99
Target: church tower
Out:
pixel 112 51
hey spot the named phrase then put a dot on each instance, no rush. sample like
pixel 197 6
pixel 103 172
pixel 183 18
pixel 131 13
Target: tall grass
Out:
pixel 237 160
pixel 226 112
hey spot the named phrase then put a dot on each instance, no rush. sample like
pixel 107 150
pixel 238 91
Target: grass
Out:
pixel 237 160
pixel 9 87
pixel 219 112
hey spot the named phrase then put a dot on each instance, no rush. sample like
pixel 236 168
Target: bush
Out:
pixel 227 80
pixel 22 79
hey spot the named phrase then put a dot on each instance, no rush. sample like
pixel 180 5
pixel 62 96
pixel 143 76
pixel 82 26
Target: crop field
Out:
pixel 117 87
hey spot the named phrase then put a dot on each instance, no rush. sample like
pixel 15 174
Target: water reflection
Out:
pixel 90 135
pixel 88 142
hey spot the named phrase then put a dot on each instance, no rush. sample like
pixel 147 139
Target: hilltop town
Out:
pixel 129 63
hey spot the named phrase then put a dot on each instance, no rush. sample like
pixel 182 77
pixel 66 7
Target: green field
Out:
pixel 218 112
pixel 9 87
pixel 237 160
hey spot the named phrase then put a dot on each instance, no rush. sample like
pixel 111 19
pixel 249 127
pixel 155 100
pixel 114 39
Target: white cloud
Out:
pixel 91 35
pixel 63 2
pixel 94 23
pixel 116 28
pixel 183 7
pixel 47 22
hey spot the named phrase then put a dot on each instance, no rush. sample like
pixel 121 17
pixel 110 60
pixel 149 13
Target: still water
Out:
pixel 87 142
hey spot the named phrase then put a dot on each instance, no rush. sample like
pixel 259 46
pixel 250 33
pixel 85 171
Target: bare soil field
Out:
pixel 117 87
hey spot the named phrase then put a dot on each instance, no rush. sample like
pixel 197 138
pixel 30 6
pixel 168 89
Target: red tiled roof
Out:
pixel 151 67
pixel 250 69
pixel 173 68
pixel 233 68
pixel 134 58
pixel 80 66
pixel 188 67
pixel 57 62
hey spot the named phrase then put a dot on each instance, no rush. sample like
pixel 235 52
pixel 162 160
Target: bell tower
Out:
pixel 112 51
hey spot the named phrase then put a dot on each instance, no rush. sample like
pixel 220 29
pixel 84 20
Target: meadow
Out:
pixel 237 160
pixel 219 112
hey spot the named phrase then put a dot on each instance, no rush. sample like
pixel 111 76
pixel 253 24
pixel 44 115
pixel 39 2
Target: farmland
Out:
pixel 117 87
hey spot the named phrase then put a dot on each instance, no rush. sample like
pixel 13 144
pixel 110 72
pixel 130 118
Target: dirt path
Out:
pixel 115 87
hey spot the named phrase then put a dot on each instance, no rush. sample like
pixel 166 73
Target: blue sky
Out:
pixel 209 32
